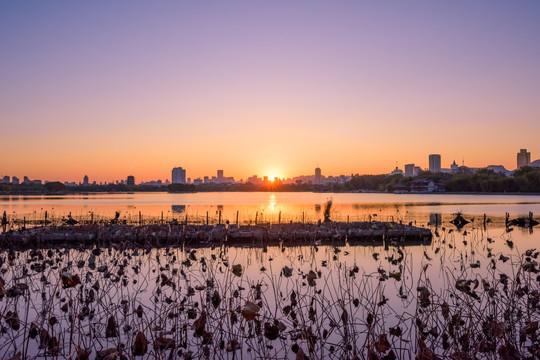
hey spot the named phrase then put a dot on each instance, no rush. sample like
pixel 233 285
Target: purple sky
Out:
pixel 111 88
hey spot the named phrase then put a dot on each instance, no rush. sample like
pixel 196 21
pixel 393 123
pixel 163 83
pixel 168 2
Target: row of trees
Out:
pixel 526 179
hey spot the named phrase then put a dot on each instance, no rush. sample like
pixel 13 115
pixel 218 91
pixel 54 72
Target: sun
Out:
pixel 273 174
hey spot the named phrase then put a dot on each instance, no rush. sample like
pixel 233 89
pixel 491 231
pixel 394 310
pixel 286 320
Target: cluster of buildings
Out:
pixel 16 181
pixel 179 177
pixel 434 160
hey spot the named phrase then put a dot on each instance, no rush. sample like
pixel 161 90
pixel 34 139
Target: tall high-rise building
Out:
pixel 409 170
pixel 85 180
pixel 178 175
pixel 130 181
pixel 220 174
pixel 434 163
pixel 318 176
pixel 523 158
pixel 15 180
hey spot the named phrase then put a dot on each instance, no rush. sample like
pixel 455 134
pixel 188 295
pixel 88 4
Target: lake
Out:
pixel 267 206
pixel 470 291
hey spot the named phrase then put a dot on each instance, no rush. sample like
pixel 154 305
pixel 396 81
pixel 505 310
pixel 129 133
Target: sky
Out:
pixel 113 88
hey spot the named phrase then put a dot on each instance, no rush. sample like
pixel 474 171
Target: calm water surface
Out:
pixel 267 206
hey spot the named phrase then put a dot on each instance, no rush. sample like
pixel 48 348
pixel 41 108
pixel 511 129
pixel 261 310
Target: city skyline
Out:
pixel 111 89
pixel 179 175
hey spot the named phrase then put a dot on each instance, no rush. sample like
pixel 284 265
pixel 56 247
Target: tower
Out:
pixel 435 163
pixel 523 158
pixel 178 175
pixel 318 176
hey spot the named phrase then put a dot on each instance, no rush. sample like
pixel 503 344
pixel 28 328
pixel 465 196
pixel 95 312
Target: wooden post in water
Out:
pixel 485 221
pixel 256 216
pixel 219 220
pixel 45 217
pixel 507 218
pixel 207 218
pixel 279 218
pixel 162 217
pixel 236 217
pixel 186 219
pixel 4 221
pixel 347 219
pixel 303 218
pixel 24 223
pixel 92 217
pixel 140 218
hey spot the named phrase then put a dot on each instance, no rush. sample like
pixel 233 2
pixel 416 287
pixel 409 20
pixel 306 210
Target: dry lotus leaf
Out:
pixel 382 345
pixel 140 346
pixel 69 281
pixel 250 311
pixel 286 271
pixel 271 331
pixel 237 270
pixel 199 325
pixel 163 343
pixel 311 278
pixel 112 328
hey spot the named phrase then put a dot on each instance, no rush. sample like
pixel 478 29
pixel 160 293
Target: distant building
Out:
pixel 535 163
pixel 26 180
pixel 423 185
pixel 4 180
pixel 498 169
pixel 397 171
pixel 178 175
pixel 197 181
pixel 206 179
pixel 254 180
pixel 409 170
pixel 220 174
pixel 523 158
pixel 130 181
pixel 85 180
pixel 454 167
pixel 318 176
pixel 435 163
pixel 15 180
pixel 399 188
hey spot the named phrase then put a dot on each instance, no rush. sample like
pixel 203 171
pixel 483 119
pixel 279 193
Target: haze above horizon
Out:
pixel 270 88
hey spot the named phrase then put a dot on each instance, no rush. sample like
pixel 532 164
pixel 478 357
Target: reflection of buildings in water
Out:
pixel 317 207
pixel 178 208
pixel 435 219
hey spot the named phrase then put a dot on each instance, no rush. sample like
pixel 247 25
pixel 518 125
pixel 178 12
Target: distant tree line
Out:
pixel 526 180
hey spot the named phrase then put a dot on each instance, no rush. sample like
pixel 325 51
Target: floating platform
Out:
pixel 208 235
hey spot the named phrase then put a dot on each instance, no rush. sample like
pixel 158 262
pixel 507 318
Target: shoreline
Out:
pixel 64 193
